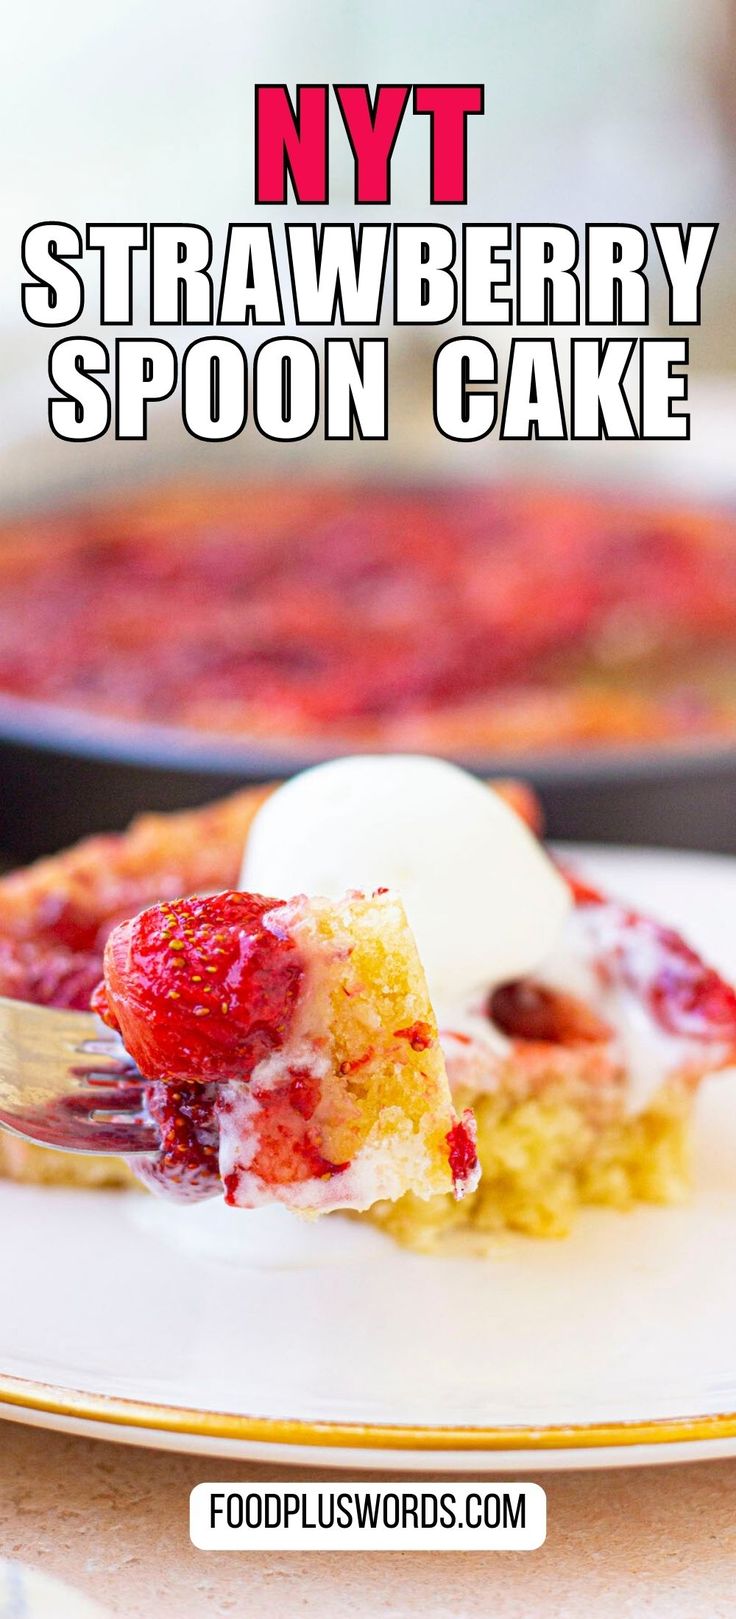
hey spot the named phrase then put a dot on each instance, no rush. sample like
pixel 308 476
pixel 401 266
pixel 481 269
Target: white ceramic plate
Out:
pixel 260 1335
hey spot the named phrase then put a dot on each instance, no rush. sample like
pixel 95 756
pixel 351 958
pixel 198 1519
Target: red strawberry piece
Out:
pixel 529 1011
pixel 202 988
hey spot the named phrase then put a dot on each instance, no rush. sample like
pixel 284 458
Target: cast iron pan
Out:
pixel 63 775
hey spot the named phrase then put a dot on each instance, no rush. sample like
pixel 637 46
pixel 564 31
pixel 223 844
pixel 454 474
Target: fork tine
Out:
pixel 121 1074
pixel 112 1099
pixel 65 1084
pixel 128 1137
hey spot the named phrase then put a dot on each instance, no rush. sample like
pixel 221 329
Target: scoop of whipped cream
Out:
pixel 483 900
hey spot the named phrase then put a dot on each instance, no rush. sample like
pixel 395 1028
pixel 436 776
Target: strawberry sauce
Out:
pixel 685 996
pixel 463 1154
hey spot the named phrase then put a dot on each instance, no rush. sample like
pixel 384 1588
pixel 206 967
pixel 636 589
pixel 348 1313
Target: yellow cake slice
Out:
pixel 292 1049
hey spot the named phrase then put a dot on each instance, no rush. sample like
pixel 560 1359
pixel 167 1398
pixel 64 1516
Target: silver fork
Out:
pixel 67 1083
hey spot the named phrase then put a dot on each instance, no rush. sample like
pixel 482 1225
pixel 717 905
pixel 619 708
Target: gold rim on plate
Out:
pixel 23 1394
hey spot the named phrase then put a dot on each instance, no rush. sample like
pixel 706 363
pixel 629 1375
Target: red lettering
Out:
pixel 449 106
pixel 291 144
pixel 372 134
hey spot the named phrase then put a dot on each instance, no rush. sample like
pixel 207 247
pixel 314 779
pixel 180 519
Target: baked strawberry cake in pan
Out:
pixel 464 621
pixel 574 1030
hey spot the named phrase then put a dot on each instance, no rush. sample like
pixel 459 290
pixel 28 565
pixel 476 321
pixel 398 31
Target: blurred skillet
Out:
pixel 63 775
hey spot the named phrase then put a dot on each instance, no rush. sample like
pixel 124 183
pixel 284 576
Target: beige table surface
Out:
pixel 111 1520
